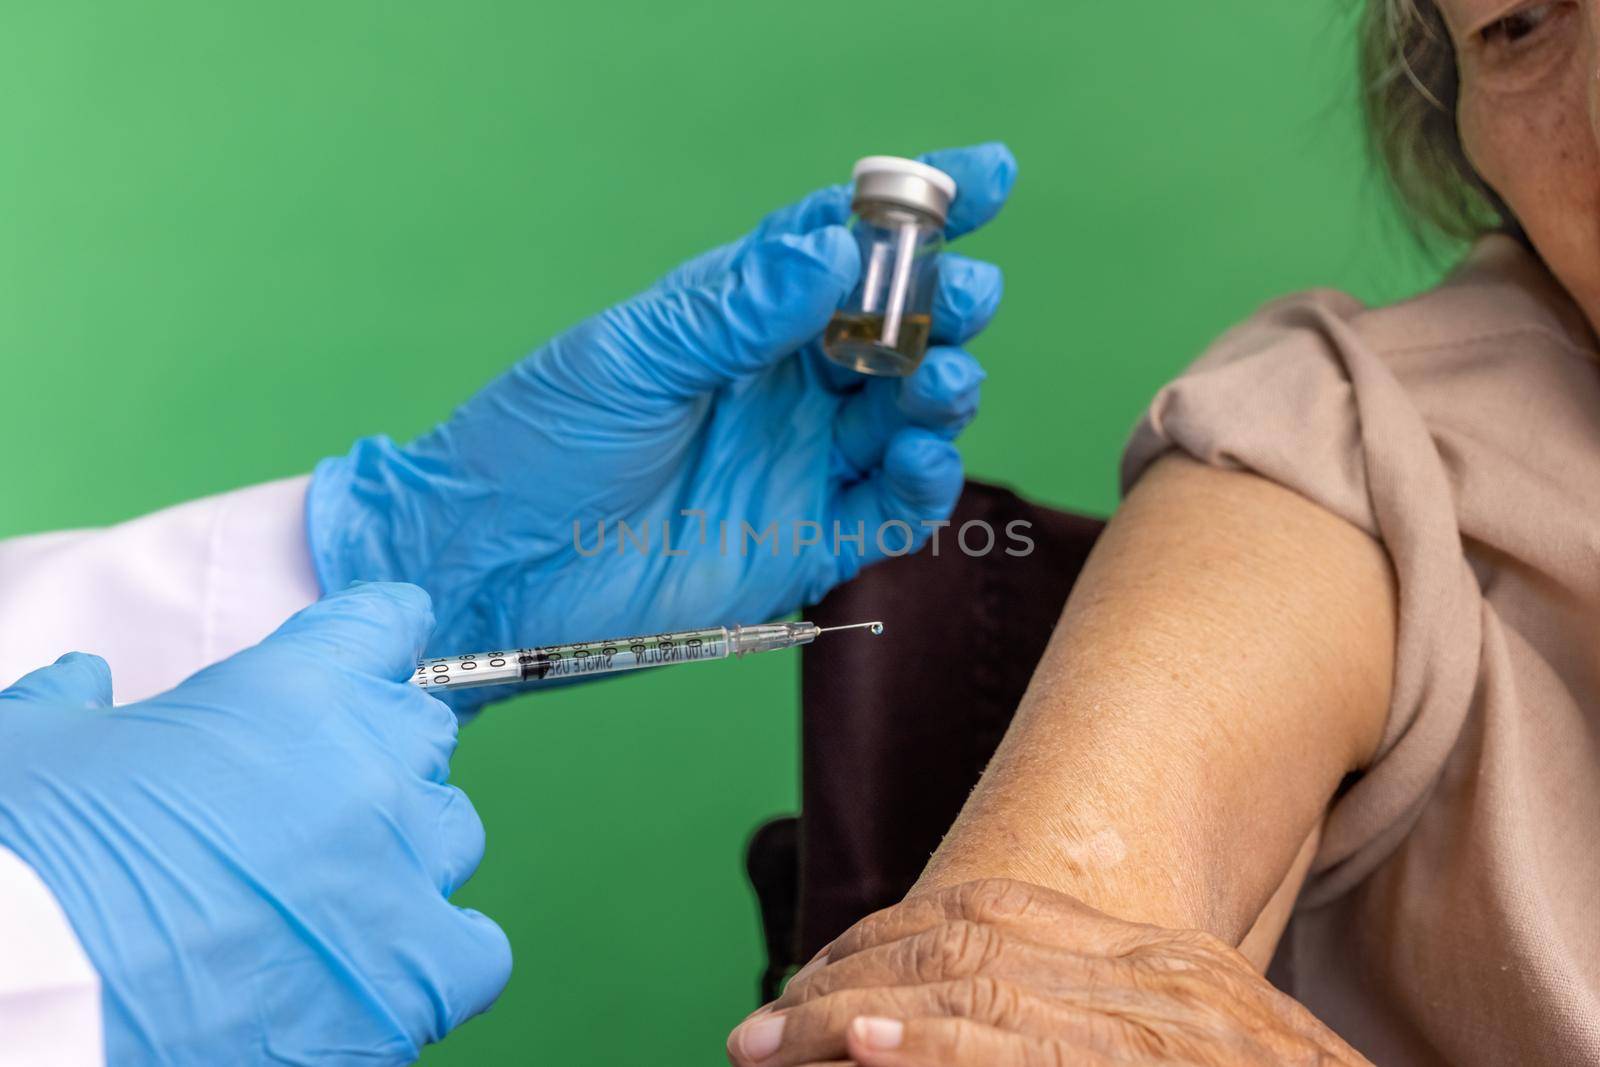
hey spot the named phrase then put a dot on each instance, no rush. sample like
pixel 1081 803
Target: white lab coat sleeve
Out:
pixel 49 992
pixel 159 597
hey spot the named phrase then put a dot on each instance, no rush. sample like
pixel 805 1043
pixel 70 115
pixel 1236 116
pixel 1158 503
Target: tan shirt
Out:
pixel 1453 913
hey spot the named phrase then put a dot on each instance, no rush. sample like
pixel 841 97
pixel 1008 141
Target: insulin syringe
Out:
pixel 591 658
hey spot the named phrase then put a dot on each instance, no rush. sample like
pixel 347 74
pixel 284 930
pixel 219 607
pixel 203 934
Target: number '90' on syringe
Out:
pixel 590 658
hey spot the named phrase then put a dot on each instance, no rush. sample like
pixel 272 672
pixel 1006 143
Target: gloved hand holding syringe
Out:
pixel 590 658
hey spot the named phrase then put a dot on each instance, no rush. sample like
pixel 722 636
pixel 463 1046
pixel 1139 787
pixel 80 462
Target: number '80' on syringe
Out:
pixel 589 658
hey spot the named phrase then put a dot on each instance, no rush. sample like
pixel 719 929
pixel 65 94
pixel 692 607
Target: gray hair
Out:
pixel 1410 89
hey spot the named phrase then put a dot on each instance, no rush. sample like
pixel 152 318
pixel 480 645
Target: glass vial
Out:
pixel 900 209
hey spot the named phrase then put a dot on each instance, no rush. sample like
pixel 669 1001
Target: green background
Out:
pixel 234 236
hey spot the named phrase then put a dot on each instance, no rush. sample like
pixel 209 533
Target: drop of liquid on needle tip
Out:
pixel 875 629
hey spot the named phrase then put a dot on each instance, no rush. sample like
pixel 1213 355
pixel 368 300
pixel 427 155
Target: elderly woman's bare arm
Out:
pixel 1224 661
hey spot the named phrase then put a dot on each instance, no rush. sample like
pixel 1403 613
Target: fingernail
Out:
pixel 759 1037
pixel 880 1034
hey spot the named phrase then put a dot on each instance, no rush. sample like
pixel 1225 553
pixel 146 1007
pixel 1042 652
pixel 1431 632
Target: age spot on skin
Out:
pixel 1105 849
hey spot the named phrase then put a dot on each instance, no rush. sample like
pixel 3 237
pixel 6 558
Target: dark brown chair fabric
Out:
pixel 897 729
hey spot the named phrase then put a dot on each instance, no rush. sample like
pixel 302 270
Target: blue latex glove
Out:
pixel 708 394
pixel 257 862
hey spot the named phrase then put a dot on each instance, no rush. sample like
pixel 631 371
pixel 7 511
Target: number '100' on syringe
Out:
pixel 585 659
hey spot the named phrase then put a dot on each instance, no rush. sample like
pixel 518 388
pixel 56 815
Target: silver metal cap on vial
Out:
pixel 892 180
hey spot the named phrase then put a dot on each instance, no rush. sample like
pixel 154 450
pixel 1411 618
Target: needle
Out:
pixel 875 627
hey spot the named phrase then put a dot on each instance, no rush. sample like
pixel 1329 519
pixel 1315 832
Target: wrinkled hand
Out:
pixel 703 406
pixel 1004 974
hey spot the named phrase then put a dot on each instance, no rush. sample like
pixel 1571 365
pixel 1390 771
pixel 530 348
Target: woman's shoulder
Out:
pixel 1316 388
pixel 1499 292
pixel 1493 372
pixel 1500 299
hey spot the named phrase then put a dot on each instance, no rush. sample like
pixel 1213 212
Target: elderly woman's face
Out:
pixel 1530 121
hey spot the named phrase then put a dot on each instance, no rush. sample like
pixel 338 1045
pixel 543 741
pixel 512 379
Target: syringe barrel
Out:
pixel 470 672
pixel 580 660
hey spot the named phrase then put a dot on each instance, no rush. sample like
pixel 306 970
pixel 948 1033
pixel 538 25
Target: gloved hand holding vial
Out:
pixel 701 409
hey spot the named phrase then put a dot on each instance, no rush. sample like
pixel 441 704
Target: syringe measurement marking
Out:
pixel 567 661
